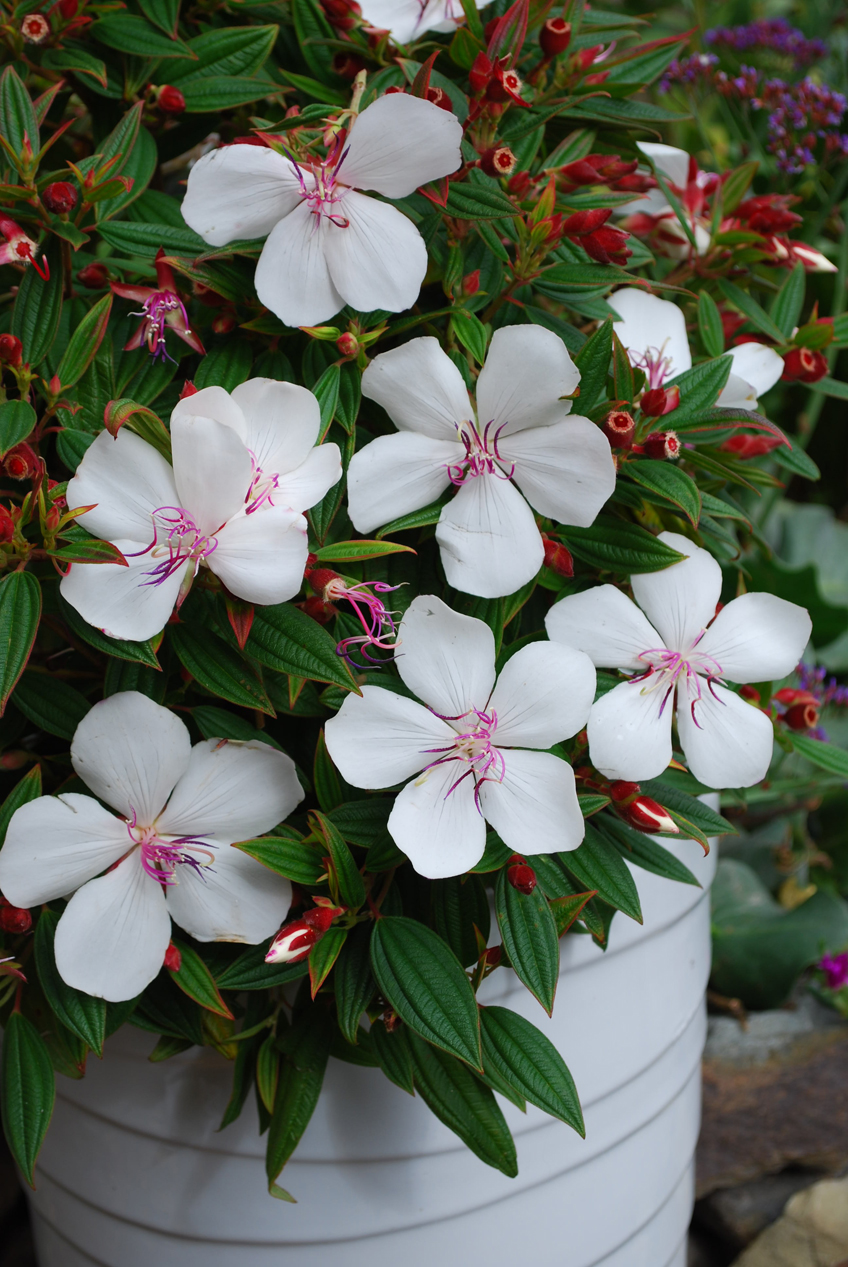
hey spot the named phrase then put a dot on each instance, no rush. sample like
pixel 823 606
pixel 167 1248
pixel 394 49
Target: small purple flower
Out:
pixel 835 968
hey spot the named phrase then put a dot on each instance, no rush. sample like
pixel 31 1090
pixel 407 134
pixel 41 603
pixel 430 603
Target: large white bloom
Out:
pixel 328 244
pixel 654 332
pixel 520 439
pixel 469 745
pixel 168 856
pixel 409 19
pixel 245 468
pixel 670 645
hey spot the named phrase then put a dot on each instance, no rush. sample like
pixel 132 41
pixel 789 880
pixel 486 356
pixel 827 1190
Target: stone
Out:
pixel 812 1231
pixel 737 1215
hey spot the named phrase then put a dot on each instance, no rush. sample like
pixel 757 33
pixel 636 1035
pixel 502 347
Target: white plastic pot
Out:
pixel 133 1171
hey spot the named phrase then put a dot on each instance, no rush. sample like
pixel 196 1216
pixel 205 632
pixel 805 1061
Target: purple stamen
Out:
pixel 656 366
pixel 475 747
pixel 183 542
pixel 155 311
pixel 481 454
pixel 262 487
pixel 161 855
pixel 378 623
pixel 323 194
pixel 673 667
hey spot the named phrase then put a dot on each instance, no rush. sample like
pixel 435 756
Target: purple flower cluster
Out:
pixel 698 68
pixel 813 680
pixel 774 34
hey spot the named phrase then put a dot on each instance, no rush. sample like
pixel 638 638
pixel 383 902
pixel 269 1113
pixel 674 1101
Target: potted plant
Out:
pixel 376 631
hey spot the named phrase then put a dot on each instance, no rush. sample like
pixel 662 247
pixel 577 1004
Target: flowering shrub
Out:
pixel 379 526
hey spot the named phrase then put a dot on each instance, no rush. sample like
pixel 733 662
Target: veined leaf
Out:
pixel 27 1091
pixel 20 612
pixel 82 1014
pixel 529 1061
pixel 529 938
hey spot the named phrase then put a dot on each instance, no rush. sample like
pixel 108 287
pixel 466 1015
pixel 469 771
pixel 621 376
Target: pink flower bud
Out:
pixel 750 693
pixel 659 401
pixel 170 100
pixel 295 941
pixel 520 876
pixel 663 446
pixel 743 446
pixel 493 956
pixel 348 344
pixel 173 959
pixel 555 36
pixel 618 428
pixel 14 919
pixel 11 349
pixel 557 557
pixel 647 815
pixel 189 389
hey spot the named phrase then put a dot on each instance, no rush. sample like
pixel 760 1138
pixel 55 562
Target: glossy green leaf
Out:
pixel 529 938
pixel 138 652
pixel 353 980
pixel 137 238
pixel 82 1014
pixel 617 546
pixel 225 366
pixel 225 52
pixel 268 1071
pixel 17 116
pixel 296 859
pixel 670 482
pixel 162 13
pixel 50 703
pixel 130 33
pixel 20 612
pixel 219 667
pixel 702 816
pixel 471 333
pixel 748 306
pixel 528 1060
pixel 786 306
pixel 307 1049
pixel 477 202
pixel 195 980
pixel 425 984
pixel 393 1052
pixel 314 36
pixel 27 1092
pixel 415 519
pixel 25 790
pixel 460 905
pixel 286 639
pixel 824 755
pixel 251 972
pixel 84 342
pixel 568 908
pixel 326 392
pixel 593 361
pixel 598 865
pixel 323 956
pixel 645 851
pixel 350 882
pixel 17 420
pixel 38 309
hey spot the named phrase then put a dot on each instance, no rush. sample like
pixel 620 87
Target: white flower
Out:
pixel 668 646
pixel 521 438
pixel 168 856
pixel 245 467
pixel 409 19
pixel 674 166
pixel 654 332
pixel 328 244
pixel 469 744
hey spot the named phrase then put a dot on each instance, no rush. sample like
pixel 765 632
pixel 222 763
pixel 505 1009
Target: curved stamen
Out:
pixel 161 855
pixel 482 454
pixel 155 311
pixel 476 748
pixel 377 621
pixel 656 366
pixel 183 541
pixel 262 487
pixel 670 669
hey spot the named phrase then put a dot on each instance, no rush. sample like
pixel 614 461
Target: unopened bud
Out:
pixel 15 759
pixel 21 463
pixel 520 875
pixel 173 959
pixel 347 65
pixel 35 28
pixel 555 36
pixel 7 525
pixel 803 365
pixel 321 579
pixel 471 283
pixel 618 428
pixel 493 956
pixel 68 9
pixel 520 184
pixel 189 389
pixel 750 693
pixel 224 323
pixel 295 941
pixel 802 716
pixel 59 197
pixel 14 919
pixel 639 810
pixel 11 349
pixel 391 1020
pixel 170 100
pixel 93 277
pixel 439 97
pixel 348 344
pixel 663 445
pixel 557 557
pixel 498 161
pixel 745 446
pixel 317 609
pixel 659 401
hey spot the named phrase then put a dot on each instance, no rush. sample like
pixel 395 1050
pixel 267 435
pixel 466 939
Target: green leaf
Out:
pixel 616 546
pixel 162 13
pixel 226 366
pixel 625 111
pixel 568 908
pixel 17 116
pixel 354 981
pixel 294 858
pixel 593 361
pixel 82 1014
pixel 460 905
pixel 209 96
pixel 695 812
pixel 139 238
pixel 830 387
pixel 137 652
pixel 824 755
pixel 84 342
pixel 89 551
pixel 670 482
pixel 528 1060
pixel 797 461
pixel 393 1052
pixel 425 984
pixel 354 551
pixel 251 972
pixel 415 519
pixel 227 52
pixel 709 325
pixel 20 612
pixel 471 333
pixel 129 33
pixel 643 68
pixel 350 397
pixel 700 387
pixel 644 851
pixel 599 866
pixel 584 276
pixel 464 1104
pixel 37 310
pixel 286 639
pixel 307 1047
pixel 323 955
pixel 17 421
pixel 219 667
pixel 25 790
pixel 326 392
pixel 478 202
pixel 786 306
pixel 27 1091
pixel 268 1072
pixel 591 802
pixel 139 166
pixel 195 980
pixel 749 308
pixel 311 27
pixel 50 703
pixel 529 938
pixel 350 882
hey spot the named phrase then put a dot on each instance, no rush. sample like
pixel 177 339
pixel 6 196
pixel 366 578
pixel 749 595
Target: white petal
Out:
pixel 488 538
pixel 55 844
pixel 113 934
pixel 446 659
pixel 680 600
pixel 757 638
pixel 282 423
pixel 565 471
pixel 649 324
pixel 756 364
pixel 399 143
pixel 303 487
pixel 261 557
pixel 213 402
pixel 234 899
pixel 628 736
pixel 239 191
pixel 420 389
pixel 732 743
pixel 542 696
pixel 212 469
pixel 292 277
pixel 123 602
pixel 737 394
pixel 131 752
pixel 527 369
pixel 669 161
pixel 401 17
pixel 535 809
pixel 441 831
pixel 379 738
pixel 605 624
pixel 377 260
pixel 126 479
pixel 232 791
pixel 394 475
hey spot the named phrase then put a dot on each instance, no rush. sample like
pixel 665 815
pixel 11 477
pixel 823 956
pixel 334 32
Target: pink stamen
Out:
pixel 155 311
pixel 262 487
pixel 324 195
pixel 379 630
pixel 481 454
pixel 655 365
pixel 672 668
pixel 161 855
pixel 183 542
pixel 476 748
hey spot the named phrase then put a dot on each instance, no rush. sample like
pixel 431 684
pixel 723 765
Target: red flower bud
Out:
pixel 599 77
pixel 173 959
pixel 498 161
pixel 471 283
pixel 480 73
pixel 14 919
pixel 585 221
pixel 317 609
pixel 505 85
pixel 618 429
pixel 68 9
pixel 557 557
pixel 15 759
pixel 295 941
pixel 35 28
pixel 520 876
pixel 170 100
pixel 320 579
pixel 11 350
pixel 93 277
pixel 189 389
pixel 802 716
pixel 439 97
pixel 750 693
pixel 342 14
pixel 60 197
pixel 743 446
pixel 659 401
pixel 348 344
pixel 804 366
pixel 638 810
pixel 224 323
pixel 519 185
pixel 663 445
pixel 555 36
pixel 621 791
pixel 21 463
pixel 347 65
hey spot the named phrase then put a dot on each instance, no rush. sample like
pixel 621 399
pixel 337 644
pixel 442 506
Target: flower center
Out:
pixel 262 487
pixel 177 540
pixel 25 249
pixel 475 749
pixel 481 453
pixel 668 669
pixel 155 311
pixel 325 197
pixel 161 855
pixel 656 366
